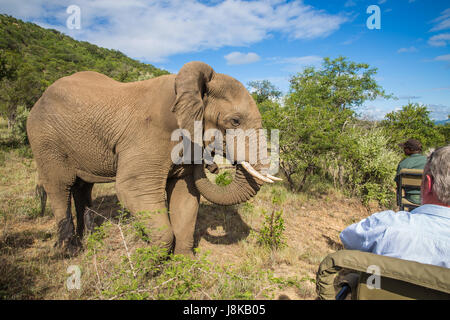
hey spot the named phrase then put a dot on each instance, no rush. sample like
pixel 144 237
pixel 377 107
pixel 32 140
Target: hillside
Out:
pixel 32 58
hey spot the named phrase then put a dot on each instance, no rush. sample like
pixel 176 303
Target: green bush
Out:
pixel 271 233
pixel 224 178
pixel 19 128
pixel 413 121
pixel 2 157
pixel 25 152
pixel 323 144
pixel 120 264
pixel 369 165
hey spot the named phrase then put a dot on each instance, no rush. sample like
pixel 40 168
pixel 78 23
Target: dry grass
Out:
pixel 30 268
pixel 312 232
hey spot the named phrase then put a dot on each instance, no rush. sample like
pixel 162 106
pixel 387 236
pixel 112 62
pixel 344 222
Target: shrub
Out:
pixel 120 264
pixel 271 233
pixel 224 178
pixel 413 121
pixel 19 128
pixel 25 152
pixel 2 157
pixel 369 165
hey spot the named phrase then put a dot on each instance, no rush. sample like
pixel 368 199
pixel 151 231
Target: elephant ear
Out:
pixel 190 86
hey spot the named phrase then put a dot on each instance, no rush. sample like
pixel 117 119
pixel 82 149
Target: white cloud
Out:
pixel 280 82
pixel 349 3
pixel 241 58
pixel 443 58
pixel 352 39
pixel 438 111
pixel 296 64
pixel 439 40
pixel 443 21
pixel 302 61
pixel 406 97
pixel 371 112
pixel 154 30
pixel 441 88
pixel 405 50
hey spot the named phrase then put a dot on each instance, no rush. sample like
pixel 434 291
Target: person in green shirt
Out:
pixel 414 160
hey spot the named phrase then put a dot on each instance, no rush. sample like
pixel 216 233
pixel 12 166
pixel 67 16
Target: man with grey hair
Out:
pixel 422 235
pixel 436 182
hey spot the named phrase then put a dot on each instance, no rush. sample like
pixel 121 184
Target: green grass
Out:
pixel 138 271
pixel 224 178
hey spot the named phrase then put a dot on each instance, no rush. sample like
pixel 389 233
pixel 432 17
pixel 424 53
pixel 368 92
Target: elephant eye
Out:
pixel 235 122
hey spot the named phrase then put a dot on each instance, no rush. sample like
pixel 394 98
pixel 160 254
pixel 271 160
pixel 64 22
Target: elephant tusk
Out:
pixel 247 166
pixel 273 178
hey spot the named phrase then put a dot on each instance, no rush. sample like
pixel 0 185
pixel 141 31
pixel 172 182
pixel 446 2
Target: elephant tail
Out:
pixel 40 192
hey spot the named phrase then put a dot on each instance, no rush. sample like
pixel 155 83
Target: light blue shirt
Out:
pixel 422 235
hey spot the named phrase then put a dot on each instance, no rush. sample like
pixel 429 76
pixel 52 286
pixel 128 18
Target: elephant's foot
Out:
pixel 68 242
pixel 89 221
pixel 155 228
pixel 69 247
pixel 162 238
pixel 185 252
pixel 184 247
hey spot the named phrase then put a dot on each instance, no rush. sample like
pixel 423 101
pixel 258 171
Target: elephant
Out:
pixel 87 128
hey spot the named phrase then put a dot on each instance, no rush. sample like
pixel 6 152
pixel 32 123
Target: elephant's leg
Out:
pixel 145 199
pixel 142 171
pixel 58 193
pixel 81 192
pixel 183 198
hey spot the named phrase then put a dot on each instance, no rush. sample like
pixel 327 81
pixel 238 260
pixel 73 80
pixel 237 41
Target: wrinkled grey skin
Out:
pixel 88 128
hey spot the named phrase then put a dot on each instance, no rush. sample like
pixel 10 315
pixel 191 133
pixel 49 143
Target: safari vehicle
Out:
pixel 349 274
pixel 408 178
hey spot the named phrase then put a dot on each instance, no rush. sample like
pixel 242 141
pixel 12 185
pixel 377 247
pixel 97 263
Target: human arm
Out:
pixel 365 234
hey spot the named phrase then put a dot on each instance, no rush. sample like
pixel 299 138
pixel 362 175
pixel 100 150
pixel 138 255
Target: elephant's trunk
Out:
pixel 243 187
pixel 247 180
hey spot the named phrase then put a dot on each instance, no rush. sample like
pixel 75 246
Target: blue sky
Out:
pixel 273 39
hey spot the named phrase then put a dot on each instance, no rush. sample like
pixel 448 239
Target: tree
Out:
pixel 263 90
pixel 317 109
pixel 412 121
pixel 8 65
pixel 444 130
pixel 340 84
pixel 265 94
pixel 308 135
pixel 22 90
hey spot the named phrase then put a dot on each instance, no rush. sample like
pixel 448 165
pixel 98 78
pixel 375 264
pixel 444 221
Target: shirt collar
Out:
pixel 434 210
